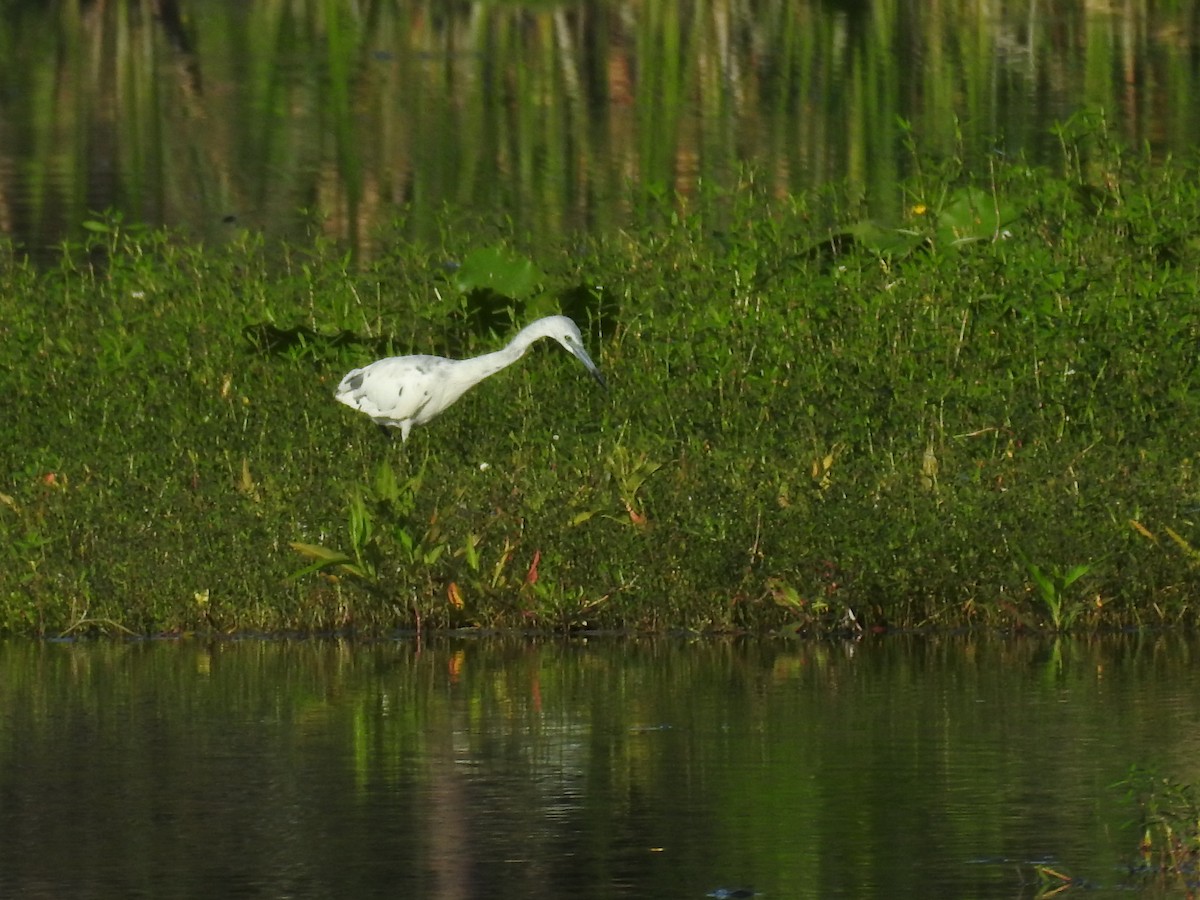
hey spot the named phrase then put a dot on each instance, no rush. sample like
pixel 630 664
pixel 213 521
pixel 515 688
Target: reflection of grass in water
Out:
pixel 1167 830
pixel 796 435
pixel 546 113
pixel 1169 826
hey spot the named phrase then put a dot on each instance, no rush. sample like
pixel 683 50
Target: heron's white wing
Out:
pixel 394 390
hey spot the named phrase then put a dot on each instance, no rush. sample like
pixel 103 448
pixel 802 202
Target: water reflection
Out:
pixel 219 114
pixel 523 768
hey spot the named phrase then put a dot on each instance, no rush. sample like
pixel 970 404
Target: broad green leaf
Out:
pixel 500 270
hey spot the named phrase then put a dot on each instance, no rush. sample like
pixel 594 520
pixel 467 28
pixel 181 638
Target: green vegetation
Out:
pixel 1166 828
pixel 982 415
pixel 1169 824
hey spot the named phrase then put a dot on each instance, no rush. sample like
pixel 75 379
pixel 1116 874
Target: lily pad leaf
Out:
pixel 972 215
pixel 500 270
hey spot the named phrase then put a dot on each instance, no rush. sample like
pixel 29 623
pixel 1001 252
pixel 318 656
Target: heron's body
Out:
pixel 403 391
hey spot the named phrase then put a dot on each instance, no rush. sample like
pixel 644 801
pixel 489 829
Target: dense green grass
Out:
pixel 983 415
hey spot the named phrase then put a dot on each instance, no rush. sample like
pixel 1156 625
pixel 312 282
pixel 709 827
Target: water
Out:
pixel 588 768
pixel 341 118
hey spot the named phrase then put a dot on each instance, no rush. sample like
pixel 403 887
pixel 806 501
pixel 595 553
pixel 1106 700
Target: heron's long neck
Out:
pixel 481 367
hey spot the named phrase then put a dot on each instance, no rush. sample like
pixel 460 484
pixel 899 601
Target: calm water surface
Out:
pixel 344 118
pixel 593 768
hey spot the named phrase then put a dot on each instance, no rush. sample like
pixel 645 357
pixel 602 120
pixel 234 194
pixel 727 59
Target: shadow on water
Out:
pixel 521 767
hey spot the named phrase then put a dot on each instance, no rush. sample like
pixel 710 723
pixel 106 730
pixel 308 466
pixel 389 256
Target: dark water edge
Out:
pixel 594 767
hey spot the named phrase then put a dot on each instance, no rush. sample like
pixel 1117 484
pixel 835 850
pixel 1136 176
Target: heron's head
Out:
pixel 567 333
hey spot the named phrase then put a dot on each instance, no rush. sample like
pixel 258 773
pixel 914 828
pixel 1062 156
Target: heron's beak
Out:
pixel 582 356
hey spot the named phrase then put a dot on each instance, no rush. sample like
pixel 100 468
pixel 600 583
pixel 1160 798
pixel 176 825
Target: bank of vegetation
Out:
pixel 982 415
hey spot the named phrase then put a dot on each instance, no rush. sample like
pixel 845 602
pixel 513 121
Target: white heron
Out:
pixel 403 391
